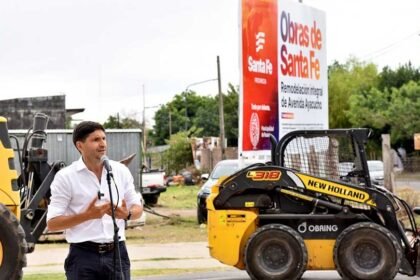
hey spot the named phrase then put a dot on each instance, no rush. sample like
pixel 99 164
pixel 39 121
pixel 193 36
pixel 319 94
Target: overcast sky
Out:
pixel 100 53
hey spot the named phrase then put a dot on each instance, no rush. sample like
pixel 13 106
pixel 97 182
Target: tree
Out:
pixel 389 78
pixel 116 122
pixel 344 81
pixel 189 109
pixel 368 109
pixel 386 109
pixel 403 112
pixel 179 154
pixel 207 117
pixel 231 111
pixel 183 111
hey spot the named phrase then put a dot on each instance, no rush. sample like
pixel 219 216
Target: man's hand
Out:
pixel 93 211
pixel 120 212
pixel 97 211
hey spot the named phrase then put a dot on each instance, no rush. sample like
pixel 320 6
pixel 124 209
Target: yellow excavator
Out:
pixel 24 198
pixel 313 207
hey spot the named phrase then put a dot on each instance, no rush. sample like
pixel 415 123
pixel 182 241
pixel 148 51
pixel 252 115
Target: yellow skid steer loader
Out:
pixel 313 207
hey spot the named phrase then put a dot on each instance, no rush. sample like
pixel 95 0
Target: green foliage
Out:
pixel 117 122
pixel 177 115
pixel 45 276
pixel 392 111
pixel 231 110
pixel 368 109
pixel 179 154
pixel 403 112
pixel 207 117
pixel 346 80
pixel 189 109
pixel 180 197
pixel 389 78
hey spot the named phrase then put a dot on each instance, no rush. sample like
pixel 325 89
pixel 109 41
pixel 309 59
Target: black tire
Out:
pixel 201 218
pixel 12 246
pixel 367 251
pixel 151 199
pixel 275 251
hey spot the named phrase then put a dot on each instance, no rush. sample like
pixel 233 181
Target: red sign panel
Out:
pixel 259 68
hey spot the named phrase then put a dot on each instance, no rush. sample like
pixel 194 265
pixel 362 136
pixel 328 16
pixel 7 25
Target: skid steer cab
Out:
pixel 313 207
pixel 23 199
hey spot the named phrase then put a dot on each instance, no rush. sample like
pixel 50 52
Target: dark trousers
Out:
pixel 85 264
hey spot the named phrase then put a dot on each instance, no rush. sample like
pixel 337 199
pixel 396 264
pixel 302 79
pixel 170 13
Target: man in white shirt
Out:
pixel 80 205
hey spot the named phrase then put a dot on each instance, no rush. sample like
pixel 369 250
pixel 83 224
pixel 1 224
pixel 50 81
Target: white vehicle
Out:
pixel 376 172
pixel 223 168
pixel 152 184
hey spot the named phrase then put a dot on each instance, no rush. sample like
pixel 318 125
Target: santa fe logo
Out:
pixel 260 41
pixel 260 66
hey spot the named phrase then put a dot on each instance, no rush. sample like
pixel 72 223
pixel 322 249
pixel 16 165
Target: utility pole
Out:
pixel 144 120
pixel 170 123
pixel 221 112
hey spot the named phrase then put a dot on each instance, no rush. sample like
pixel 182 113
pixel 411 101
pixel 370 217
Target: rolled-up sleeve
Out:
pixel 60 197
pixel 131 196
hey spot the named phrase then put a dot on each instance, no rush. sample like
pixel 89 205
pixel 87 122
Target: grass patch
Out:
pixel 163 259
pixel 411 196
pixel 171 271
pixel 174 229
pixel 45 276
pixel 134 273
pixel 179 197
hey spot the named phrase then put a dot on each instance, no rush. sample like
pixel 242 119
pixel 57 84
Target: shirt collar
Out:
pixel 80 164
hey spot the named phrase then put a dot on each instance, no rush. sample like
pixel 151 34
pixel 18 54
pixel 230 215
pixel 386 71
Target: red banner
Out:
pixel 259 68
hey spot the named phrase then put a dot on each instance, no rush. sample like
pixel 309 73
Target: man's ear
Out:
pixel 79 145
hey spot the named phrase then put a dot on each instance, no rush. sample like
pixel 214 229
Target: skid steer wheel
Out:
pixel 367 251
pixel 12 246
pixel 275 251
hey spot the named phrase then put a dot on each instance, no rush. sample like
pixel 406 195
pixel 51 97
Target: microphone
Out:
pixel 105 161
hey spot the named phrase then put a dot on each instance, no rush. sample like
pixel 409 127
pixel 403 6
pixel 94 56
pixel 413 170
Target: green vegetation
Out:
pixel 45 276
pixel 162 230
pixel 359 95
pixel 188 109
pixel 124 122
pixel 387 101
pixel 179 197
pixel 136 272
pixel 179 154
pixel 179 204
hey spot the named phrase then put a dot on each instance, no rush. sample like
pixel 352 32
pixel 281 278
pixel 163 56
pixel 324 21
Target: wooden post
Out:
pixel 333 159
pixel 389 179
pixel 314 168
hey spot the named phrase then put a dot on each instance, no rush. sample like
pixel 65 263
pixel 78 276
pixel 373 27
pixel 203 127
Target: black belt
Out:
pixel 96 247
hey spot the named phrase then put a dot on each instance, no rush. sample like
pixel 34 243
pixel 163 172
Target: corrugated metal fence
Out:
pixel 121 143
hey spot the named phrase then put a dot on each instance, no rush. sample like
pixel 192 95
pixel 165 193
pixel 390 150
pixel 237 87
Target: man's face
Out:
pixel 94 146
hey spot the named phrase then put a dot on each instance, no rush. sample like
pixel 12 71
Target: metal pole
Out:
pixel 186 110
pixel 144 119
pixel 170 123
pixel 221 112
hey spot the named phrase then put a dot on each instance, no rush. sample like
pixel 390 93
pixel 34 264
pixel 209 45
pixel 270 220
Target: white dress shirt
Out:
pixel 75 186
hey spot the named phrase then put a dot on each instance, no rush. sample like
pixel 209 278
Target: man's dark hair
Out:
pixel 83 129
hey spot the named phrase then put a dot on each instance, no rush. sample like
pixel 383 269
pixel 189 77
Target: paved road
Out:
pixel 242 275
pixel 150 256
pixel 188 255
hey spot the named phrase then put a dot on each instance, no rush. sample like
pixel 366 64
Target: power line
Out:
pixel 389 47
